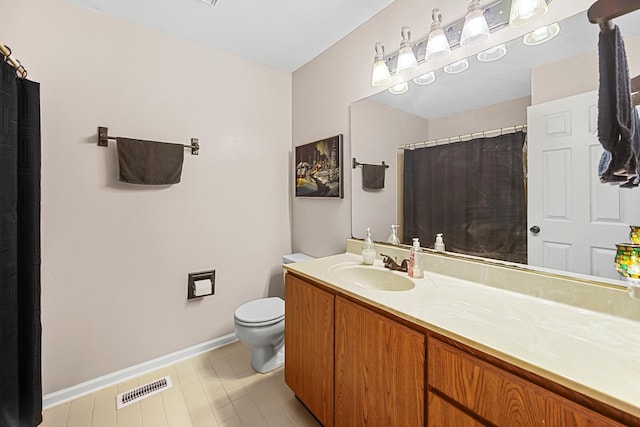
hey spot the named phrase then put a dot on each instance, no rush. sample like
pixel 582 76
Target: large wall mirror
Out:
pixel 525 87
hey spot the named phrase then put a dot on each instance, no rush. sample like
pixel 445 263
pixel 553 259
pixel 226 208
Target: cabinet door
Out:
pixel 379 370
pixel 308 333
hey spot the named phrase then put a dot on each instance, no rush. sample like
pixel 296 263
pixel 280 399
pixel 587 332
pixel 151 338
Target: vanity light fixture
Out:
pixel 475 27
pixel 457 67
pixel 437 43
pixel 406 58
pixel 525 11
pixel 541 35
pixel 493 53
pixel 425 79
pixel 399 89
pixel 380 75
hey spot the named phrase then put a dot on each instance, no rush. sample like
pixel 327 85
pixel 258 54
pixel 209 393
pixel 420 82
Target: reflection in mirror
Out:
pixel 500 94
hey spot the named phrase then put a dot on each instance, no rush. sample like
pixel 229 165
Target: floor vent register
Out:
pixel 142 392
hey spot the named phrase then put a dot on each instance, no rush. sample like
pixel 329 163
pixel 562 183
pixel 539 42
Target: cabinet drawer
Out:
pixel 500 397
pixel 442 413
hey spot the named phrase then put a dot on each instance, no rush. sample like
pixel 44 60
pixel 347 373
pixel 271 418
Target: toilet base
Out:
pixel 267 358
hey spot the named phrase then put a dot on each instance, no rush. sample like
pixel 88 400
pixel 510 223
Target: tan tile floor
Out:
pixel 217 388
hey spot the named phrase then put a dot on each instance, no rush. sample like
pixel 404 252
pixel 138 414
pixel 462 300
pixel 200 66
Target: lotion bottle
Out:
pixel 368 249
pixel 439 245
pixel 415 270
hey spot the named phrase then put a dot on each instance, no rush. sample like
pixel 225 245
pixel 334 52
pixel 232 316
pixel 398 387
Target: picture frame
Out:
pixel 318 169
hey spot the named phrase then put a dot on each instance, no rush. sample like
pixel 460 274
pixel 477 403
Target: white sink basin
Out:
pixel 372 277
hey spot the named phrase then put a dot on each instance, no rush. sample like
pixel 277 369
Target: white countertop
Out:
pixel 590 352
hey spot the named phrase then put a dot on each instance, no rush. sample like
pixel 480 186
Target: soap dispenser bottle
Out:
pixel 439 244
pixel 415 269
pixel 393 237
pixel 368 249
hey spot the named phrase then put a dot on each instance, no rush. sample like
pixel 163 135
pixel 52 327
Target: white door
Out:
pixel 579 219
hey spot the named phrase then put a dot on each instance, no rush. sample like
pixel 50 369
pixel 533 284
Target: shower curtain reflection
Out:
pixel 20 329
pixel 473 192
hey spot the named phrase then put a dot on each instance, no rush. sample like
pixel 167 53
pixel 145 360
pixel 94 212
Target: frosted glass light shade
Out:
pixel 493 53
pixel 380 75
pixel 437 43
pixel 425 79
pixel 475 28
pixel 437 46
pixel 406 58
pixel 399 89
pixel 525 11
pixel 542 34
pixel 457 67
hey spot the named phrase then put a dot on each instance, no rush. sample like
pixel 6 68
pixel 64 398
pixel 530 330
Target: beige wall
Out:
pixel 496 116
pixel 115 257
pixel 576 75
pixel 324 88
pixel 379 130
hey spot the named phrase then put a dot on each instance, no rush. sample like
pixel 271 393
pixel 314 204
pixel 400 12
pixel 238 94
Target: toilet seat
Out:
pixel 260 312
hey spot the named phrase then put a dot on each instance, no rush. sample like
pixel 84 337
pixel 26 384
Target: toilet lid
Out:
pixel 261 310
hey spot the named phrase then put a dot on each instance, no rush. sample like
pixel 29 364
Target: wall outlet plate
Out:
pixel 200 275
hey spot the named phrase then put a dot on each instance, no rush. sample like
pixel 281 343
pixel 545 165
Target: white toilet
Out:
pixel 260 324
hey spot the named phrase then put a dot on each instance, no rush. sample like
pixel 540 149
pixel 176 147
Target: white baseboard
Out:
pixel 73 392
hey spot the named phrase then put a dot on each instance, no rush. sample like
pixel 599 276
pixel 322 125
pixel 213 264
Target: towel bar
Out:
pixel 103 140
pixel 357 163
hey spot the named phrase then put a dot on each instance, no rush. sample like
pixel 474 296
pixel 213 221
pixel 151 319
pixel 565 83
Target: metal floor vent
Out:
pixel 144 391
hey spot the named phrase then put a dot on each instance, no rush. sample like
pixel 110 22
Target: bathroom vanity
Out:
pixel 443 350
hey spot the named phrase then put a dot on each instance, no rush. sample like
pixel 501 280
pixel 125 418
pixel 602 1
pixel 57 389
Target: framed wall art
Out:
pixel 319 169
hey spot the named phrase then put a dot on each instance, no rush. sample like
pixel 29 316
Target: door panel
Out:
pixel 580 218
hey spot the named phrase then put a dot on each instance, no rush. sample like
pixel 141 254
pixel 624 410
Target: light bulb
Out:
pixel 437 44
pixel 380 74
pixel 475 27
pixel 406 58
pixel 525 11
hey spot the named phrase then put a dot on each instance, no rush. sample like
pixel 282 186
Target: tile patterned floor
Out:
pixel 217 388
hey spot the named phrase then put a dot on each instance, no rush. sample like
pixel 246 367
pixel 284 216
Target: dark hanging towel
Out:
pixel 20 328
pixel 149 162
pixel 617 118
pixel 373 176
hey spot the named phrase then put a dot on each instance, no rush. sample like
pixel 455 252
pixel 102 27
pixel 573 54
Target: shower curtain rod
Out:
pixel 6 52
pixel 463 137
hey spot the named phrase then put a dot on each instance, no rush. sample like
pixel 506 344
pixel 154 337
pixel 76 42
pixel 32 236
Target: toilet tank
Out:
pixel 297 257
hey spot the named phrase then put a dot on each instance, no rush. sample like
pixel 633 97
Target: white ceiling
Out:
pixel 284 34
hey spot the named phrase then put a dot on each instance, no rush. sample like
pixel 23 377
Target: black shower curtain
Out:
pixel 473 192
pixel 20 329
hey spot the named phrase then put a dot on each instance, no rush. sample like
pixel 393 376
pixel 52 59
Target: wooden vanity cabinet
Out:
pixel 353 364
pixel 309 346
pixel 475 392
pixel 379 363
pixel 379 369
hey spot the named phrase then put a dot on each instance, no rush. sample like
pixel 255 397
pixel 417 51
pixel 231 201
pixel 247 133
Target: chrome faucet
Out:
pixel 391 264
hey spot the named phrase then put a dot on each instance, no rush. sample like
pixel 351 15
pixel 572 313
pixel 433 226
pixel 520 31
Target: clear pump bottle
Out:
pixel 368 249
pixel 415 269
pixel 393 237
pixel 439 244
